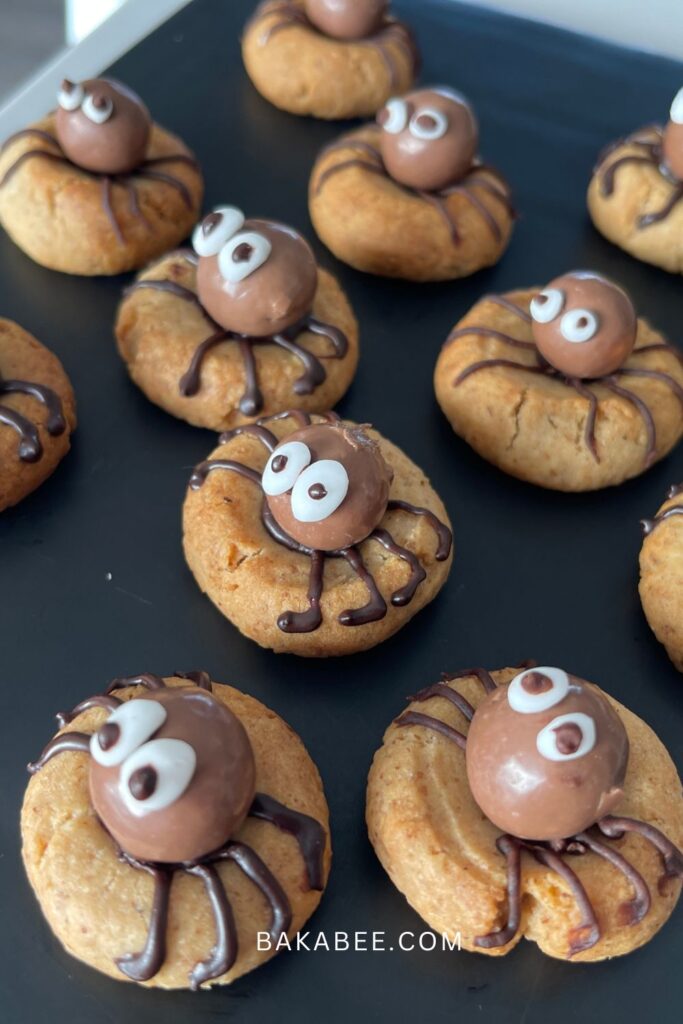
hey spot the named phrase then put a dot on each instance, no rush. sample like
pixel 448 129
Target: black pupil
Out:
pixel 279 463
pixel 317 492
pixel 582 321
pixel 143 782
pixel 242 253
pixel 426 121
pixel 108 735
pixel 210 222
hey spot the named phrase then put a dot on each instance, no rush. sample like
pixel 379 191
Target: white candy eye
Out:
pixel 125 730
pixel 546 305
pixel 284 467
pixel 567 737
pixel 676 113
pixel 579 325
pixel 537 689
pixel 428 124
pixel 156 775
pixel 97 109
pixel 70 95
pixel 242 255
pixel 216 229
pixel 319 491
pixel 394 116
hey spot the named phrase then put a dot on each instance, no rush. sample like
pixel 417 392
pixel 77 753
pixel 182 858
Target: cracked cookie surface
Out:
pixel 534 426
pixel 440 850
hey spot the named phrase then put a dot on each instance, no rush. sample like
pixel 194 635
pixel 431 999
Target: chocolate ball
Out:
pixel 196 819
pixel 279 278
pixel 584 325
pixel 429 138
pixel 327 486
pixel 546 755
pixel 672 141
pixel 346 19
pixel 107 131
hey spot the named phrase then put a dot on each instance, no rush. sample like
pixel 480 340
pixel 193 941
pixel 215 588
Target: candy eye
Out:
pixel 319 491
pixel 537 689
pixel 284 467
pixel 676 113
pixel 156 775
pixel 216 229
pixel 97 108
pixel 70 95
pixel 242 255
pixel 428 124
pixel 579 325
pixel 394 117
pixel 546 305
pixel 125 730
pixel 567 737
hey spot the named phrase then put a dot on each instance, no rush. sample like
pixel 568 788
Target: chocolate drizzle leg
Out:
pixel 651 153
pixel 30 447
pixel 672 511
pixel 587 933
pixel 376 607
pixel 251 402
pixel 310 836
pixel 308 621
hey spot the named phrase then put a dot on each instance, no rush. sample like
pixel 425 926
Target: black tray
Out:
pixel 536 574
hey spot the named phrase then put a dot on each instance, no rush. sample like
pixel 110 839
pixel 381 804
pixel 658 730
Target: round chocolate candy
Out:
pixel 429 138
pixel 327 486
pixel 583 325
pixel 346 19
pixel 672 141
pixel 102 126
pixel 254 277
pixel 546 755
pixel 171 775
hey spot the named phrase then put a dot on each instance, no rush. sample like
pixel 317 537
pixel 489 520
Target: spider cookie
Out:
pixel 529 804
pixel 635 194
pixel 314 536
pixel 328 58
pixel 243 326
pixel 96 187
pixel 409 197
pixel 564 387
pixel 661 574
pixel 167 823
pixel 37 413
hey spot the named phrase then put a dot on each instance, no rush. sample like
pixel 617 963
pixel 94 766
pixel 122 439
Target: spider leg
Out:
pixel 644 411
pixel 200 679
pixel 265 436
pixel 343 165
pixel 587 932
pixel 333 334
pixel 607 183
pixel 443 534
pixel 406 593
pixel 134 202
pixel 511 850
pixel 105 187
pixel 200 472
pixel 251 401
pixel 249 862
pixel 633 910
pixel 146 679
pixel 485 364
pixel 56 423
pixel 653 218
pixel 309 834
pixel 482 674
pixel 666 378
pixel 306 622
pixel 144 965
pixel 67 741
pixel 672 857
pixel 167 179
pixel 435 724
pixel 475 201
pixel 30 448
pixel 189 383
pixel 489 332
pixel 442 690
pixel 376 607
pixel 20 161
pixel 98 701
pixel 589 430
pixel 224 952
pixel 314 371
pixel 164 285
pixel 434 200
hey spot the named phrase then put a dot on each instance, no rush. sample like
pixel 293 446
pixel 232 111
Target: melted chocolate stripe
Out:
pixel 489 332
pixel 76 742
pixel 644 411
pixel 650 524
pixel 607 185
pixel 656 216
pixel 406 593
pixel 376 607
pixel 591 418
pixel 200 678
pixel 309 620
pixel 100 700
pixel 105 187
pixel 309 834
pixel 201 471
pixel 21 160
pixel 224 952
pixel 442 690
pixel 30 448
pixel 146 679
pixel 587 932
pixel 482 674
pixel 257 872
pixel 672 857
pixel 55 424
pixel 511 850
pixel 267 437
pixel 189 383
pixel 167 286
pixel 489 219
pixel 343 165
pixel 666 378
pixel 635 909
pixel 144 965
pixel 442 209
pixel 512 307
pixel 314 371
pixel 444 535
pixel 27 132
pixel 166 179
pixel 416 718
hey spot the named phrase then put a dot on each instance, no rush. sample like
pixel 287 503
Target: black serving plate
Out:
pixel 93 579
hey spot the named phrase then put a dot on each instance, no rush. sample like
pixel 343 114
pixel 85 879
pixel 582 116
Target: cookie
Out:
pixel 635 195
pixel 37 413
pixel 168 823
pixel 97 188
pixel 574 396
pixel 314 536
pixel 328 59
pixel 661 574
pixel 584 860
pixel 216 351
pixel 409 197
